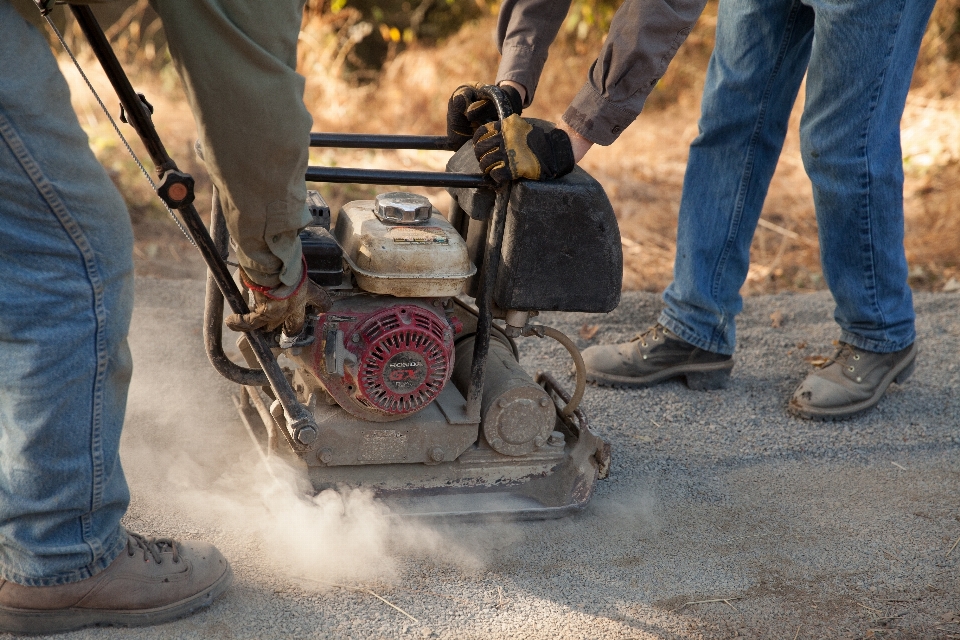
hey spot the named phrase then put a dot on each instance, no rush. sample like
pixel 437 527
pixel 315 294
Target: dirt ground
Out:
pixel 722 517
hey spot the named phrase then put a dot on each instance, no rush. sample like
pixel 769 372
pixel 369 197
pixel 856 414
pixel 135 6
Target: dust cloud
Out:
pixel 192 467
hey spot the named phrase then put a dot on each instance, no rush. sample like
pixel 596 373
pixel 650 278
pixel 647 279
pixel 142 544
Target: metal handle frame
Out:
pixel 488 277
pixel 391 177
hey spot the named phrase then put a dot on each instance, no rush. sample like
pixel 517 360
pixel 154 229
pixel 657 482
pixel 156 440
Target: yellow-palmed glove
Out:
pixel 518 148
pixel 280 305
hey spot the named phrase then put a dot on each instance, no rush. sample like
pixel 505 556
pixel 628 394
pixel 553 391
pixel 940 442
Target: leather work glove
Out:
pixel 467 110
pixel 280 305
pixel 518 148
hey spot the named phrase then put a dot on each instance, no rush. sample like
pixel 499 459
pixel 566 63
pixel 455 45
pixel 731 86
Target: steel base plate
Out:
pixel 480 484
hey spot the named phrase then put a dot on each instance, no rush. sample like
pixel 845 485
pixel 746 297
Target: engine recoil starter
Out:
pixel 384 362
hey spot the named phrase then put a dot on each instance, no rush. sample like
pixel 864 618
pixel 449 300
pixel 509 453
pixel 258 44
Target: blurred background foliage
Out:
pixel 365 33
pixel 356 38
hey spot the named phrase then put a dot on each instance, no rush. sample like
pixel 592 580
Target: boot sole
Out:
pixel 898 374
pixel 33 622
pixel 700 377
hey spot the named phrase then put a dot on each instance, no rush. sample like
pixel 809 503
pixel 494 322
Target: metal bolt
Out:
pixel 544 402
pixel 556 439
pixel 306 435
pixel 355 337
pixel 496 443
pixel 539 441
pixel 325 456
pixel 501 403
pixel 437 454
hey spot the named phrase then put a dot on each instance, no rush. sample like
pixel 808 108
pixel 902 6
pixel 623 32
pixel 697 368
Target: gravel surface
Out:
pixel 723 516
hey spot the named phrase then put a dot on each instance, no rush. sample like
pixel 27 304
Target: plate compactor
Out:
pixel 410 384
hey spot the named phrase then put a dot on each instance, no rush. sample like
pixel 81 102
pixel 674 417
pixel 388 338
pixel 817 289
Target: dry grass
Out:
pixel 642 172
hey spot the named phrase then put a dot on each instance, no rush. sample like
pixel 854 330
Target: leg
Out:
pixel 755 71
pixel 66 282
pixel 67 288
pixel 860 69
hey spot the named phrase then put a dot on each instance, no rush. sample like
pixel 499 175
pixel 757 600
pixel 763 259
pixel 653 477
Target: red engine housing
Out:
pixel 382 360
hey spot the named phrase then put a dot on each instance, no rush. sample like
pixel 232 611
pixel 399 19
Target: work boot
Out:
pixel 850 382
pixel 153 581
pixel 653 356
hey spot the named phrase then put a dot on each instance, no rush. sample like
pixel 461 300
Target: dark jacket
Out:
pixel 644 36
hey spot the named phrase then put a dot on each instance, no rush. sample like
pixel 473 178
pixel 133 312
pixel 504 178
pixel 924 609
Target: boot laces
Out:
pixel 843 354
pixel 653 333
pixel 152 547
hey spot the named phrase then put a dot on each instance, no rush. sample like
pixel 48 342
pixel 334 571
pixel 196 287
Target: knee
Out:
pixel 810 153
pixel 820 152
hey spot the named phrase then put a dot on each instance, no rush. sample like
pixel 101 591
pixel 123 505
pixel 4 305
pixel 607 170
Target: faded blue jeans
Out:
pixel 66 295
pixel 859 57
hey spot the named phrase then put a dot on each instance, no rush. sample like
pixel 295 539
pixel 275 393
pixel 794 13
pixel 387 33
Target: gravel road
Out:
pixel 723 516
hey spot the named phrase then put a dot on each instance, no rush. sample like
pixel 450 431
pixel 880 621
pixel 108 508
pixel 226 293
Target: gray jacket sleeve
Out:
pixel 644 36
pixel 525 30
pixel 237 60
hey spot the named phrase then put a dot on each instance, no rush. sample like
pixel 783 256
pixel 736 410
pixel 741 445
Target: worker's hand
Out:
pixel 580 144
pixel 281 305
pixel 467 110
pixel 517 148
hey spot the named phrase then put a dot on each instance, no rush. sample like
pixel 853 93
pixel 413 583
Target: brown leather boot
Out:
pixel 654 356
pixel 153 581
pixel 851 382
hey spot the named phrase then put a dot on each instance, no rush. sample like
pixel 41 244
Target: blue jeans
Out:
pixel 66 295
pixel 859 57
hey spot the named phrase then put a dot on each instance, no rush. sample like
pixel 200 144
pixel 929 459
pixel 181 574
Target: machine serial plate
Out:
pixel 383 445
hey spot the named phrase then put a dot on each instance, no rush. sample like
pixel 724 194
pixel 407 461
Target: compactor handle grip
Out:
pixel 499 99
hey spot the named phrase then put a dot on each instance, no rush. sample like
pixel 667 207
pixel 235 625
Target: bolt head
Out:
pixel 437 454
pixel 325 456
pixel 544 402
pixel 539 441
pixel 496 443
pixel 306 435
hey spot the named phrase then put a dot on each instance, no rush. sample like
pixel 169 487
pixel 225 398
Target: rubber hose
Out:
pixel 577 362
